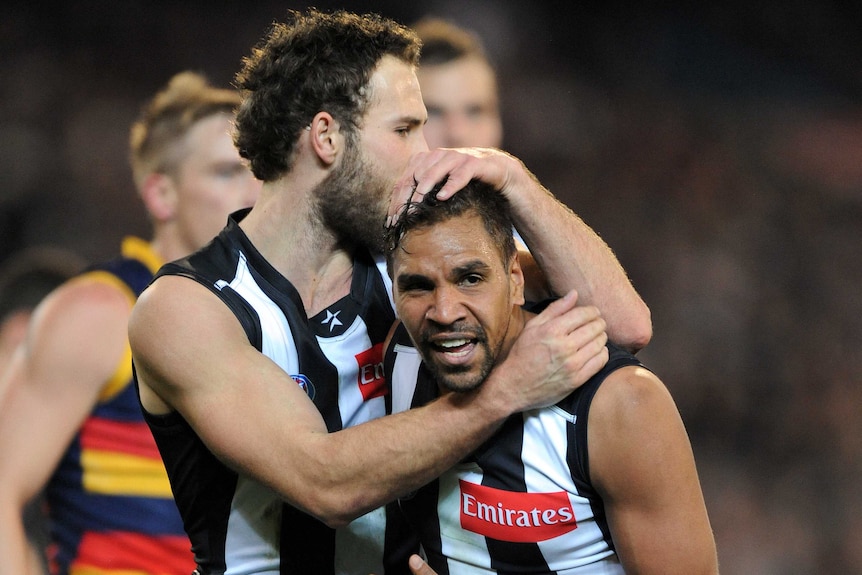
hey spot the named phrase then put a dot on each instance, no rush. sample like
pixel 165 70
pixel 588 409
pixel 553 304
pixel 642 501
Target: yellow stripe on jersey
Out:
pixel 138 249
pixel 123 374
pixel 121 377
pixel 133 248
pixel 113 473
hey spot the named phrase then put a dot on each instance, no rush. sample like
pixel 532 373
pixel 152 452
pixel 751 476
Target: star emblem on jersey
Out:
pixel 332 320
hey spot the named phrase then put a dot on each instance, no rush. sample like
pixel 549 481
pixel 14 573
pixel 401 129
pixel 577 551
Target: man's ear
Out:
pixel 159 195
pixel 516 280
pixel 325 137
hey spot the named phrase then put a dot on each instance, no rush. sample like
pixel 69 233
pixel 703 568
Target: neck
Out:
pixel 286 231
pixel 167 249
pixel 517 322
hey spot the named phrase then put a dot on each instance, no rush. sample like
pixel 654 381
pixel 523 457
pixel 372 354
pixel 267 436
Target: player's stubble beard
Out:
pixel 352 201
pixel 458 378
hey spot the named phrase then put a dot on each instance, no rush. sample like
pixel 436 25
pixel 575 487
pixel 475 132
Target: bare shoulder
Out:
pixel 84 313
pixel 174 306
pixel 642 465
pixel 629 393
pixel 633 424
pixel 77 337
pixel 89 294
pixel 634 428
pixel 181 334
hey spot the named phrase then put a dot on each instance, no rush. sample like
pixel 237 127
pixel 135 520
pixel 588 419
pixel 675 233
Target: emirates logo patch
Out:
pixel 372 382
pixel 515 516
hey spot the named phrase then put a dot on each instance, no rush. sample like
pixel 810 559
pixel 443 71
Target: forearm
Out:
pixel 363 467
pixel 571 255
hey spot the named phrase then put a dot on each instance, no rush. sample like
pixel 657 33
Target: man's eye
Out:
pixel 229 170
pixel 415 286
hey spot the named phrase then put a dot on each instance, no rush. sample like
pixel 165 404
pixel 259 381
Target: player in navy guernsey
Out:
pixel 259 359
pixel 72 422
pixel 603 482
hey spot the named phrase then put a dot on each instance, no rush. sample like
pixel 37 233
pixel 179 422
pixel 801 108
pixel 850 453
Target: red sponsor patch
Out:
pixel 514 516
pixel 372 382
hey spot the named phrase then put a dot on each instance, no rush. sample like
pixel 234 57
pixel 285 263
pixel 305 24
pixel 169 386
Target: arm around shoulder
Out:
pixel 642 465
pixel 192 356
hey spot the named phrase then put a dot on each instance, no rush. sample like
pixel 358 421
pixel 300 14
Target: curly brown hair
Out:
pixel 315 62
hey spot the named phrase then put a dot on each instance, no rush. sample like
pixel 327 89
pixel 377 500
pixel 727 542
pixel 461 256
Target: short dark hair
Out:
pixel 476 197
pixel 317 61
pixel 444 42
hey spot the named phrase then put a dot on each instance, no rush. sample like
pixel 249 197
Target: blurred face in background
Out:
pixel 463 106
pixel 209 182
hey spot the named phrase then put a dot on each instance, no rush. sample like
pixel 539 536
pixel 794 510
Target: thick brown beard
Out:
pixel 351 202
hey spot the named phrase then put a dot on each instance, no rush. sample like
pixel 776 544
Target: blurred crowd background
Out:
pixel 717 149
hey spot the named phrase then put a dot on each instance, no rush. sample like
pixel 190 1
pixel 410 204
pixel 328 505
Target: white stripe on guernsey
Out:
pixel 248 552
pixel 341 351
pixel 546 471
pixel 470 547
pixel 359 546
pixel 403 384
pixel 380 262
pixel 272 320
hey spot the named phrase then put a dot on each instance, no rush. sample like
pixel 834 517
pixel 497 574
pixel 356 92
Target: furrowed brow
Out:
pixel 413 281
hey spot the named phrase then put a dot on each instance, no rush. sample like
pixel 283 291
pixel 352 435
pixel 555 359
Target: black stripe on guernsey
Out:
pixel 306 544
pixel 577 453
pixel 400 542
pixel 204 518
pixel 506 556
pixel 423 504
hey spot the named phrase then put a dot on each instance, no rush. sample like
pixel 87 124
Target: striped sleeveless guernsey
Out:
pixel 523 502
pixel 109 500
pixel 237 525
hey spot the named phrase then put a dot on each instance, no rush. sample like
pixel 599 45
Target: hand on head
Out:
pixel 455 167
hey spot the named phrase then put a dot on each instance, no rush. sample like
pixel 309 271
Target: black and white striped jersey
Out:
pixel 237 525
pixel 523 502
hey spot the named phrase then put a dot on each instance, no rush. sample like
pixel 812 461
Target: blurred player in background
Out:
pixel 459 87
pixel 71 422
